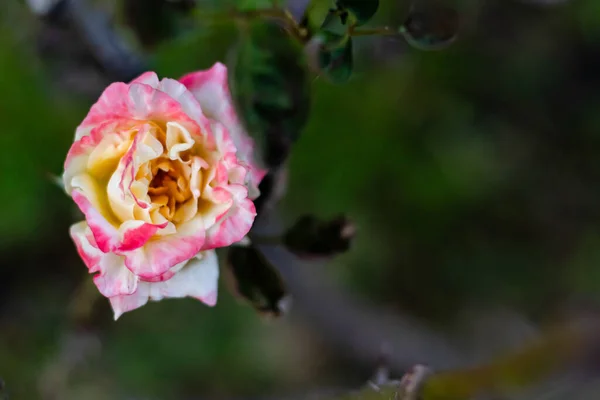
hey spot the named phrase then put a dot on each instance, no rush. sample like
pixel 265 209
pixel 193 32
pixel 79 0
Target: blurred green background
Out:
pixel 473 175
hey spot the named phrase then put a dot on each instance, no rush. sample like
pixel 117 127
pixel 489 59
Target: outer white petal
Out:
pixel 148 78
pixel 198 278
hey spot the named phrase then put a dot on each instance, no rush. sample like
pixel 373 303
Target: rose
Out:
pixel 164 174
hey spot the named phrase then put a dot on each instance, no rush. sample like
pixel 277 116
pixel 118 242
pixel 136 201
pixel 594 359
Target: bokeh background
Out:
pixel 472 173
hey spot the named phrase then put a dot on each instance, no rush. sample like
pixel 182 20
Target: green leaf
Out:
pixel 334 56
pixel 431 28
pixel 312 18
pixel 363 10
pixel 330 19
pixel 270 86
pixel 254 280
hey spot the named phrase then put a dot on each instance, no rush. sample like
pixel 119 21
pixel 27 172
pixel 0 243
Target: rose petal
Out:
pixel 105 234
pixel 135 235
pixel 178 140
pixel 188 103
pixel 123 201
pixel 148 78
pixel 112 278
pixel 90 254
pixel 211 89
pixel 122 102
pixel 231 227
pixel 198 279
pixel 98 152
pixel 130 236
pixel 77 159
pixel 157 256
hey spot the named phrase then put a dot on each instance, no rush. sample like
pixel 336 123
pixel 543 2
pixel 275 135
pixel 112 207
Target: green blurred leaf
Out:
pixel 431 28
pixel 362 10
pixel 270 87
pixel 315 13
pixel 254 280
pixel 333 56
pixel 334 18
pixel 330 49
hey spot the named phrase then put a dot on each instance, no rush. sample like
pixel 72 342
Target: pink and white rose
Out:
pixel 164 173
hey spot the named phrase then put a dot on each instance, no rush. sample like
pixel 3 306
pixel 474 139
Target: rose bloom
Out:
pixel 164 174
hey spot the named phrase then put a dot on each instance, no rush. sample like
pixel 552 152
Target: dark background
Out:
pixel 472 173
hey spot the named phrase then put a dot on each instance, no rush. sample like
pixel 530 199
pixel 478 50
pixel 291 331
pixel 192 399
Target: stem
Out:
pixel 275 13
pixel 383 31
pixel 233 14
pixel 279 14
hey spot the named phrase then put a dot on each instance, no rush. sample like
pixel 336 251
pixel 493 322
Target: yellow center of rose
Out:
pixel 167 170
pixel 169 187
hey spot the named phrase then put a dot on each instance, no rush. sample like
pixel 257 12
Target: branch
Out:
pixel 357 326
pixel 553 363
